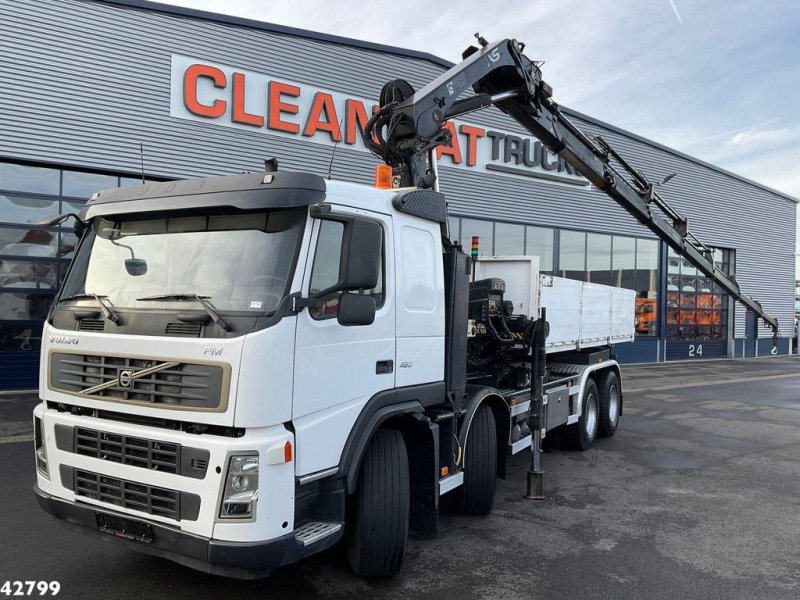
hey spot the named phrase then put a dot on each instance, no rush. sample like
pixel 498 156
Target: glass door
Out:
pixel 697 315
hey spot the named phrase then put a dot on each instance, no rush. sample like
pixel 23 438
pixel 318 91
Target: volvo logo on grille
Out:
pixel 63 339
pixel 125 378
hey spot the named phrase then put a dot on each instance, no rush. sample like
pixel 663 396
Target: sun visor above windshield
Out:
pixel 248 191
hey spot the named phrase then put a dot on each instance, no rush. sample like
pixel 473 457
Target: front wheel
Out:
pixel 582 434
pixel 380 509
pixel 610 404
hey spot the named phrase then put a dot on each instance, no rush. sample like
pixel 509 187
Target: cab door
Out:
pixel 338 368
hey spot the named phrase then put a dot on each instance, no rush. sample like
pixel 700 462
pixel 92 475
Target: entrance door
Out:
pixel 697 316
pixel 338 368
pixel 750 334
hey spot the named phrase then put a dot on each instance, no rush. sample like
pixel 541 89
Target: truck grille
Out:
pixel 127 494
pixel 137 452
pixel 91 325
pixel 187 329
pixel 140 380
pixel 155 455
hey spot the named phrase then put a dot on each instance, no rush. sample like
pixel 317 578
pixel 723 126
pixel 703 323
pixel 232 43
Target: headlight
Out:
pixel 241 487
pixel 39 449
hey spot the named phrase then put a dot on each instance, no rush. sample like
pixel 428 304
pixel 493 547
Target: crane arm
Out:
pixel 408 127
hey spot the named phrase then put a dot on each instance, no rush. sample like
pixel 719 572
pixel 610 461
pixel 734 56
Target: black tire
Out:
pixel 476 494
pixel 610 404
pixel 582 434
pixel 380 509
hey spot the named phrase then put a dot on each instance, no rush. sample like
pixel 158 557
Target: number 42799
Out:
pixel 30 588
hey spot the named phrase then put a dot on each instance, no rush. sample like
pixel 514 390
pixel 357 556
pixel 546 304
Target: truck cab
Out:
pixel 164 411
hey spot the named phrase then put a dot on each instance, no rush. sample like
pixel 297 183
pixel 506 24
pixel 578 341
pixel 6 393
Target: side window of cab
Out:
pixel 325 271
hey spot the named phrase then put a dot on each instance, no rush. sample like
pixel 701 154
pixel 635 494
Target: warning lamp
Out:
pixel 383 177
pixel 475 244
pixel 287 452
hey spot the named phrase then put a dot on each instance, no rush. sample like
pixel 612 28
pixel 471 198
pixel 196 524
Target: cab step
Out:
pixel 314 531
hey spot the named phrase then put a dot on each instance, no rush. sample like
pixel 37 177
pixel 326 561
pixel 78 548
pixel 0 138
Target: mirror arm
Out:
pixel 121 245
pixel 58 219
pixel 299 303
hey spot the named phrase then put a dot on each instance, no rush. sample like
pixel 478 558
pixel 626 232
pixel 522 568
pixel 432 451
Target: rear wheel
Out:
pixel 476 494
pixel 582 434
pixel 610 404
pixel 380 508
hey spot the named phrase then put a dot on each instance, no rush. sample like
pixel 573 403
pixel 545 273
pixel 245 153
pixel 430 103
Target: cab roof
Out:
pixel 253 191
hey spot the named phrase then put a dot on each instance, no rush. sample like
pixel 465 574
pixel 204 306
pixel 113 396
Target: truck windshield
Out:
pixel 235 262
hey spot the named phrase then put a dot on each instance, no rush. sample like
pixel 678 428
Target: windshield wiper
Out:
pixel 202 300
pixel 107 312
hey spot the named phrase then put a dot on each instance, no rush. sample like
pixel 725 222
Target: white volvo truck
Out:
pixel 240 371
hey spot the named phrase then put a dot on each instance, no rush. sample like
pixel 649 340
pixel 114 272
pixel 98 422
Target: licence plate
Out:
pixel 125 528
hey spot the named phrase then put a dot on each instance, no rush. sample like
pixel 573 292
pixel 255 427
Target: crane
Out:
pixel 409 125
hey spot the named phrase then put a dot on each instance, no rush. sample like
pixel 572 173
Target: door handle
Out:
pixel 382 367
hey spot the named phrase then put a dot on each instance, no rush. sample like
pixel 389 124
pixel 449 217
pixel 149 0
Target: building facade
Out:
pixel 98 94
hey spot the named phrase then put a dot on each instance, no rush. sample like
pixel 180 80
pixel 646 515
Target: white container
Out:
pixel 581 315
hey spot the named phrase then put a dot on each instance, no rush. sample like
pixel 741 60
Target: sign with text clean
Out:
pixel 223 95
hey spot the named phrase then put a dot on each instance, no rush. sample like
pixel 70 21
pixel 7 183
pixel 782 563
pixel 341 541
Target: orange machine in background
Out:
pixel 646 316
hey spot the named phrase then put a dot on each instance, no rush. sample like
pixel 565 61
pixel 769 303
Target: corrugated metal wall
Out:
pixel 85 82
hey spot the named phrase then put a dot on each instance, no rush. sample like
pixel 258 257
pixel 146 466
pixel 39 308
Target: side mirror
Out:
pixel 360 263
pixel 136 266
pixel 356 309
pixel 79 228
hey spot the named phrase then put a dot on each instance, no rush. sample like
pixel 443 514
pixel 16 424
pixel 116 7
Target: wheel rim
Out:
pixel 613 404
pixel 591 416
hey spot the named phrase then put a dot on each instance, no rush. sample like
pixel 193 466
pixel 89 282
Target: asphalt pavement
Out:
pixel 697 496
pixel 16 415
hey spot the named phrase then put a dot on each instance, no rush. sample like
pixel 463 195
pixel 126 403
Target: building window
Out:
pixel 509 239
pixel 23 209
pixel 34 259
pixel 82 185
pixel 40 275
pixel 646 286
pixel 646 264
pixel 623 262
pixel 128 181
pixel 619 261
pixel 34 180
pixel 572 255
pixel 598 258
pixel 21 241
pixel 539 242
pixel 485 232
pixel 696 306
pixel 615 260
pixel 505 239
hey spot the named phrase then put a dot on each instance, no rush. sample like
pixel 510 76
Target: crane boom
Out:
pixel 408 127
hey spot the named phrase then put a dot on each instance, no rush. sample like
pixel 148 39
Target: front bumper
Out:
pixel 242 560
